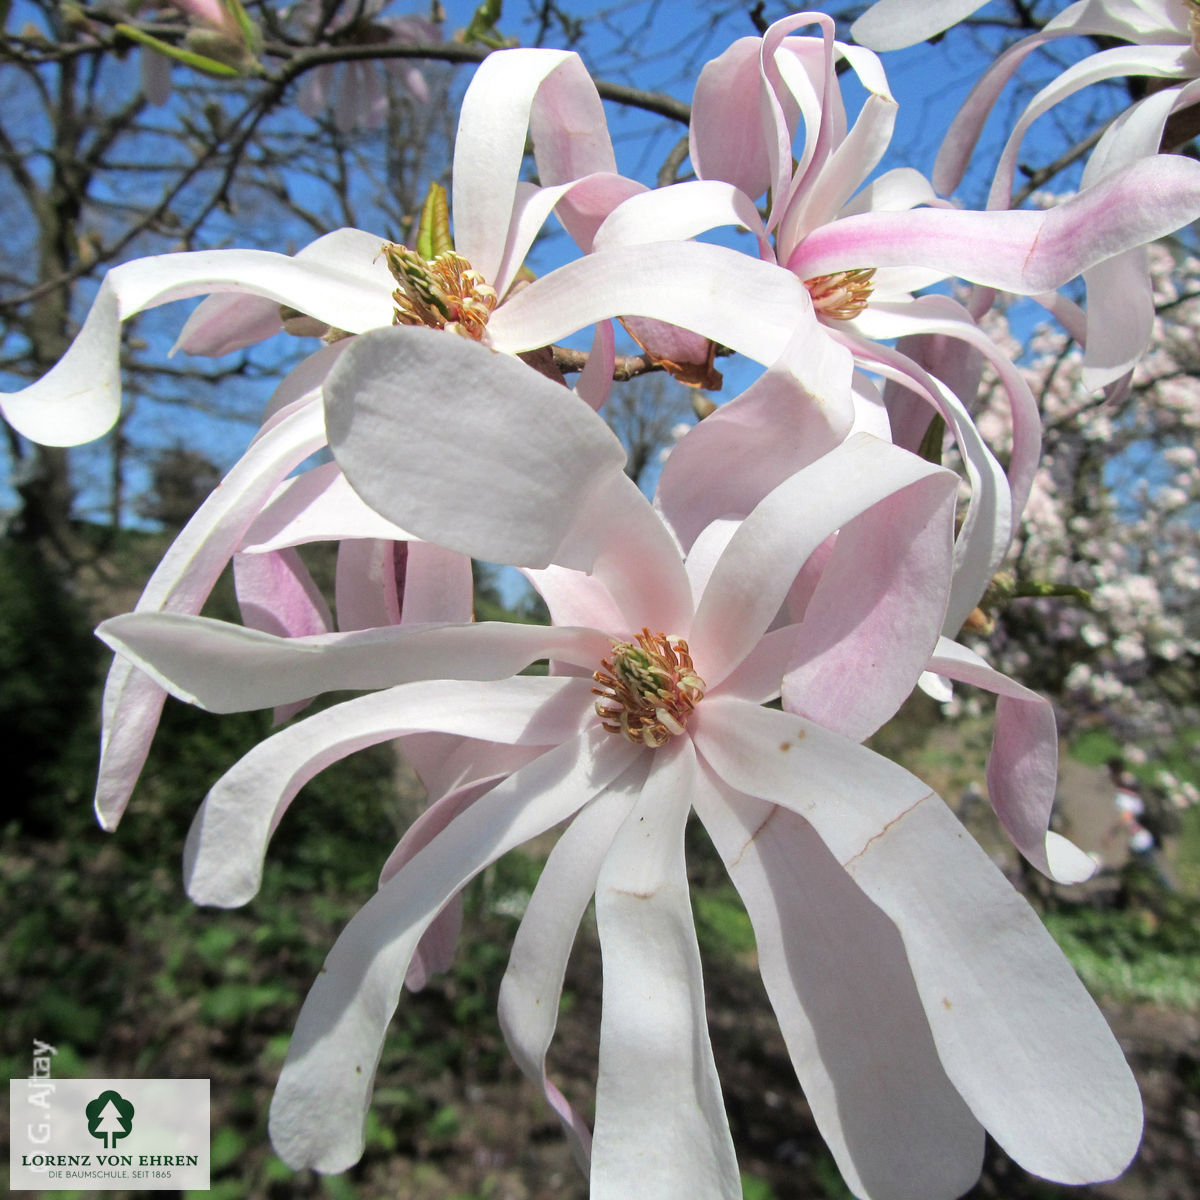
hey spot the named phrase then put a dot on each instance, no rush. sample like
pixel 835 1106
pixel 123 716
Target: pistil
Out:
pixel 648 689
pixel 443 292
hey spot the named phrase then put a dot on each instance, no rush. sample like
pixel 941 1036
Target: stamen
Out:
pixel 648 690
pixel 842 295
pixel 1193 7
pixel 443 292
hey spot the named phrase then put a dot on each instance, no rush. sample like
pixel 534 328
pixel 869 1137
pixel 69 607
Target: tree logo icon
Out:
pixel 109 1117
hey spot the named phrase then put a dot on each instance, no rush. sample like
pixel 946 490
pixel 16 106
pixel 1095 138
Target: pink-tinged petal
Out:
pixel 838 979
pixel 757 677
pixel 316 506
pixel 895 24
pixel 277 594
pixel 587 203
pixel 227 668
pixel 306 377
pixel 661 1130
pixel 223 858
pixel 726 137
pixel 955 151
pixel 368 583
pixel 596 379
pixel 181 583
pixel 751 581
pixel 1120 301
pixel 574 598
pixel 1163 62
pixel 80 397
pixel 497 111
pixel 750 306
pixel 679 212
pixel 1020 252
pixel 434 954
pixel 791 415
pixel 1120 317
pixel 952 361
pixel 221 324
pixel 435 951
pixel 851 162
pixel 532 984
pixel 798 73
pixel 986 531
pixel 466 447
pixel 897 190
pixel 437 586
pixel 1017 1033
pixel 875 614
pixel 324 1089
pixel 1022 772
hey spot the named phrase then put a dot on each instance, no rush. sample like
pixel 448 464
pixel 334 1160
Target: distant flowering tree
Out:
pixel 1113 526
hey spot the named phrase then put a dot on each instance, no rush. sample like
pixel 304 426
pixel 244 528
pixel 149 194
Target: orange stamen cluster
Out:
pixel 648 689
pixel 842 295
pixel 442 292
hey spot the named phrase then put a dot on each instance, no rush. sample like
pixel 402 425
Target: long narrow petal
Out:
pixel 277 594
pixel 532 984
pixel 1020 252
pixel 895 24
pixel 316 506
pixel 986 531
pixel 661 1130
pixel 838 979
pixel 750 306
pixel 874 616
pixel 80 397
pixel 752 578
pixel 1022 772
pixel 228 668
pixel 727 138
pixel 226 322
pixel 225 848
pixel 325 1086
pixel 490 146
pixel 679 212
pixel 792 414
pixel 367 583
pixel 1018 1035
pixel 181 582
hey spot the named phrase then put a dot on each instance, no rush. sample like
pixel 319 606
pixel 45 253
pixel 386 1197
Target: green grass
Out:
pixel 1136 954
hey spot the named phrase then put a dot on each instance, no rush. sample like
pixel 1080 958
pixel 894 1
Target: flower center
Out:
pixel 443 292
pixel 842 295
pixel 1193 11
pixel 648 689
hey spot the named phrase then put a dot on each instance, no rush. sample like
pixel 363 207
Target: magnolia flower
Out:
pixel 861 255
pixel 920 998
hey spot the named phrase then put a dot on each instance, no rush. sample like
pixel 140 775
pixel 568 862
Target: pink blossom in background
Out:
pixel 357 91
